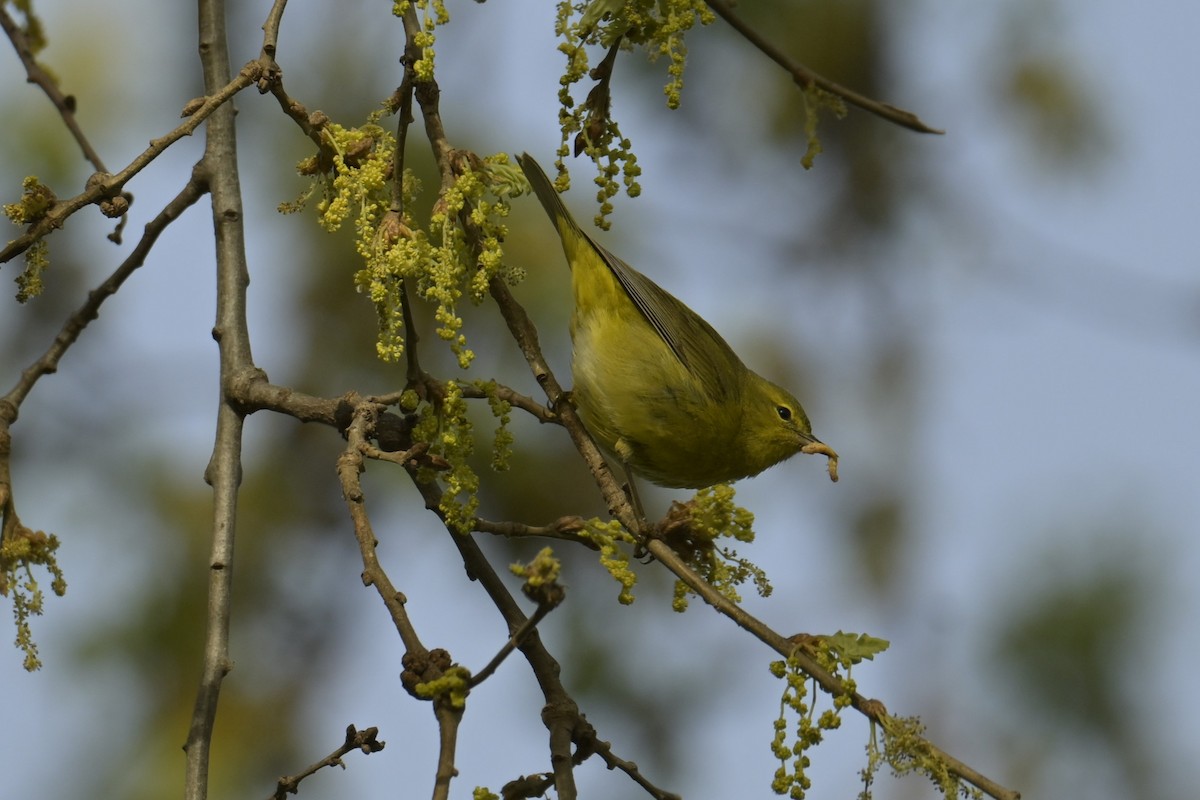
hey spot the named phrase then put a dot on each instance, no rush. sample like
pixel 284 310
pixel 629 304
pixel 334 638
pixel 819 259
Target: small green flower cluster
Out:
pixel 816 98
pixel 446 427
pixel 609 535
pixel 809 729
pixel 440 265
pixel 21 550
pixel 433 14
pixel 502 410
pixel 836 654
pixel 36 201
pixel 906 750
pixel 544 569
pixel 454 685
pixel 658 26
pixel 713 516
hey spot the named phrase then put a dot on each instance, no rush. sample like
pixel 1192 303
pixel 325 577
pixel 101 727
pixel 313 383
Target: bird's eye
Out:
pixel 784 413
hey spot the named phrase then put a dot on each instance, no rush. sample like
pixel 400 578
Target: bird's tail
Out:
pixel 544 189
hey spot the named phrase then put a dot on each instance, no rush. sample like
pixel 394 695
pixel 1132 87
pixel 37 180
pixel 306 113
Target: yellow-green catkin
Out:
pixel 453 685
pixel 609 536
pixel 836 654
pixel 658 27
pixel 714 516
pixel 20 551
pixel 36 201
pixel 815 98
pixel 431 15
pixel 455 442
pixel 502 440
pixel 436 262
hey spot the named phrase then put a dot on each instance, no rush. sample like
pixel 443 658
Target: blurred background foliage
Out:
pixel 1041 694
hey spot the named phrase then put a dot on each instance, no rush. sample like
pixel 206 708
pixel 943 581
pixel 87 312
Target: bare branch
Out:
pixel 363 740
pixel 48 362
pixel 271 28
pixel 448 719
pixel 590 743
pixel 65 103
pixel 102 186
pixel 513 642
pixel 420 664
pixel 564 528
pixel 350 466
pixel 219 170
pixel 805 77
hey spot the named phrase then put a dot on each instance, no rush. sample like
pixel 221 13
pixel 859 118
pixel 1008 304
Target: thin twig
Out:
pixel 310 124
pixel 420 663
pixel 37 75
pixel 513 398
pixel 805 77
pixel 564 528
pixel 47 363
pixel 271 73
pixel 270 28
pixel 403 100
pixel 349 467
pixel 102 185
pixel 513 642
pixel 590 743
pixel 427 94
pixel 363 740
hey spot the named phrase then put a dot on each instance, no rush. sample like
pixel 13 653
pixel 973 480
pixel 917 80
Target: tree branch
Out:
pixel 102 186
pixel 872 709
pixel 420 664
pixel 560 714
pixel 219 169
pixel 805 77
pixel 448 718
pixel 48 362
pixel 513 642
pixel 363 740
pixel 514 399
pixel 270 28
pixel 564 528
pixel 349 467
pixel 65 103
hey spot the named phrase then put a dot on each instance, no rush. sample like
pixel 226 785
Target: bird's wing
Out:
pixel 694 342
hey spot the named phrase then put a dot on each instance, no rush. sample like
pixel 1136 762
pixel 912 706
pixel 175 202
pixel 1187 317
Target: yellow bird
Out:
pixel 655 384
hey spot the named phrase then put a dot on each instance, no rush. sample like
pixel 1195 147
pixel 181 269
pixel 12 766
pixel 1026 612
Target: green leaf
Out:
pixel 856 647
